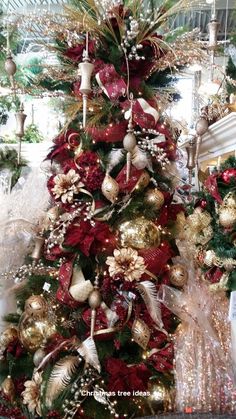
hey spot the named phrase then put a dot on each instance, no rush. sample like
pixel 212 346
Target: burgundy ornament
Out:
pixel 202 203
pixel 228 174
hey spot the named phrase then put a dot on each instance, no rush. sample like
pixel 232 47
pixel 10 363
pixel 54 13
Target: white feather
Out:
pixel 110 315
pixel 140 159
pixel 114 158
pixel 88 351
pixel 149 294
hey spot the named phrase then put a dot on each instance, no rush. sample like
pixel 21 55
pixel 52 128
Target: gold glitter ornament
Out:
pixel 140 333
pixel 36 305
pixel 178 275
pixel 8 388
pixel 36 324
pixel 227 211
pixel 155 198
pixel 139 233
pixel 230 200
pixel 227 216
pixel 8 335
pixel 142 182
pixel 160 399
pixel 34 332
pixel 110 188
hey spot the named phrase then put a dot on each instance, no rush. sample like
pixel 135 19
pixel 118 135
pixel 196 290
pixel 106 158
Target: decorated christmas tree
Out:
pixel 212 227
pixel 205 380
pixel 90 338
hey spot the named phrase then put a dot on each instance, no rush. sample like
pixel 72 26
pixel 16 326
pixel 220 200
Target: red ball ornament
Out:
pixel 203 203
pixel 228 174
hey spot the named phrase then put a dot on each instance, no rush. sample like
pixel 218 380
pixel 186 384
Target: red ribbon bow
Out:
pixel 126 378
pixel 111 82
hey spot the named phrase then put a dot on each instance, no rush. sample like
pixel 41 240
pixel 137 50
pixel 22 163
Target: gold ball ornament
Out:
pixel 178 275
pixel 33 333
pixel 8 335
pixel 8 388
pixel 155 198
pixel 139 233
pixel 36 324
pixel 227 216
pixel 95 299
pixel 36 305
pixel 161 399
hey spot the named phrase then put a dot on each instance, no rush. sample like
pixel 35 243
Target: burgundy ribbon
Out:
pixel 111 82
pixel 212 187
pixel 65 274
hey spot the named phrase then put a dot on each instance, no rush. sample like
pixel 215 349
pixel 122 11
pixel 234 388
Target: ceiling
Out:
pixel 21 6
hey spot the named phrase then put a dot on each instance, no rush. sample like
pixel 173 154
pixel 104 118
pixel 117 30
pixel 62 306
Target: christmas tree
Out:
pixel 90 338
pixel 212 227
pixel 207 236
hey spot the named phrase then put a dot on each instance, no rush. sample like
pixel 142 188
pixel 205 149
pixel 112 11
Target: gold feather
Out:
pixel 60 377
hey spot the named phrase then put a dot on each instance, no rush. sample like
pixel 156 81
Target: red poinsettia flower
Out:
pixel 75 53
pixel 15 348
pixel 89 239
pixel 151 51
pixel 126 378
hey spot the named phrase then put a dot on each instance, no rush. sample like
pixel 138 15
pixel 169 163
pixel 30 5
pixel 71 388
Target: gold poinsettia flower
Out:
pixel 126 261
pixel 31 394
pixel 66 186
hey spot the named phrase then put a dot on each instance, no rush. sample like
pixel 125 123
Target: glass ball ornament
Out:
pixel 228 174
pixel 178 275
pixel 36 323
pixel 95 299
pixel 139 233
pixel 38 356
pixel 227 216
pixel 161 398
pixel 8 335
pixel 155 198
pixel 201 126
pixel 129 141
pixel 35 332
pixel 36 305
